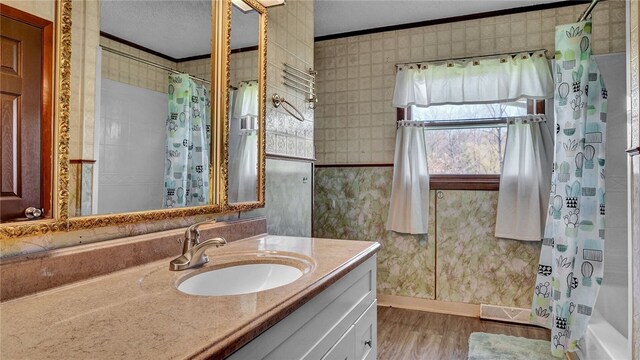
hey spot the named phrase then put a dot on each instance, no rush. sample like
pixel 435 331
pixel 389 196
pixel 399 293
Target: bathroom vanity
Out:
pixel 327 313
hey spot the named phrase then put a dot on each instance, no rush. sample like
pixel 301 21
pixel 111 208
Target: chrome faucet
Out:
pixel 193 251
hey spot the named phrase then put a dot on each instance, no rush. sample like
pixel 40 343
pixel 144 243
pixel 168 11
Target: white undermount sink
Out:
pixel 240 279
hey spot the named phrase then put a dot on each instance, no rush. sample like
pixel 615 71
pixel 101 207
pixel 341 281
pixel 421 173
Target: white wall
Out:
pixel 132 148
pixel 612 299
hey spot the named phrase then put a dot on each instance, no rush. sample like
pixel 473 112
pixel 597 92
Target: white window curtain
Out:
pixel 490 79
pixel 526 180
pixel 476 80
pixel 409 208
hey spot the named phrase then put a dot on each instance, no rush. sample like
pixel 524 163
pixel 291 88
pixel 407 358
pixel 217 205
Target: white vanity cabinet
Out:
pixel 339 323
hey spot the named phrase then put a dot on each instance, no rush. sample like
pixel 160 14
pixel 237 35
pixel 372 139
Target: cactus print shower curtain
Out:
pixel 571 260
pixel 186 176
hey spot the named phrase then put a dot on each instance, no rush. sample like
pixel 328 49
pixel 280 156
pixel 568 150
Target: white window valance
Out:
pixel 475 80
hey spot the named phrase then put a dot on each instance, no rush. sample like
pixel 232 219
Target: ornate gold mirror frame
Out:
pixel 60 198
pixel 60 141
pixel 222 32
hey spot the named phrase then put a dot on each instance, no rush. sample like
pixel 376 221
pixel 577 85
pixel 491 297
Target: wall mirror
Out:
pixel 33 117
pixel 244 119
pixel 27 123
pixel 141 139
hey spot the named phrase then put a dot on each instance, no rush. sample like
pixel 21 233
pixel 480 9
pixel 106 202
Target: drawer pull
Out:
pixel 369 342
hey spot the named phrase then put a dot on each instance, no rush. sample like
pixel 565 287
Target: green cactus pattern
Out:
pixel 186 180
pixel 571 259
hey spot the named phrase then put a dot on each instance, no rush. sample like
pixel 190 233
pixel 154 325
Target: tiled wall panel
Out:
pixel 355 122
pixel 290 40
pixel 132 157
pixel 85 16
pixel 38 8
pixel 128 71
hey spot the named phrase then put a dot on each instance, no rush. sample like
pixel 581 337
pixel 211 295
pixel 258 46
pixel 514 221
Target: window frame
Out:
pixel 468 181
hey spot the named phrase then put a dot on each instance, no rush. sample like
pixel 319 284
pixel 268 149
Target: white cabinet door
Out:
pixel 311 331
pixel 366 334
pixel 343 349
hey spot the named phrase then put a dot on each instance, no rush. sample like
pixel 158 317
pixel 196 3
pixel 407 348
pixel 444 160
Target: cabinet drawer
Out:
pixel 366 333
pixel 343 349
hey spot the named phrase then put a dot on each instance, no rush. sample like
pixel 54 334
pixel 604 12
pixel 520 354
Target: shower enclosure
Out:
pixel 607 335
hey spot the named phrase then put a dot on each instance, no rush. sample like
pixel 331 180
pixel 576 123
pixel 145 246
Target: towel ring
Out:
pixel 279 100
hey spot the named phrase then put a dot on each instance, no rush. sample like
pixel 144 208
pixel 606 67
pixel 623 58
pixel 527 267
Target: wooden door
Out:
pixel 21 106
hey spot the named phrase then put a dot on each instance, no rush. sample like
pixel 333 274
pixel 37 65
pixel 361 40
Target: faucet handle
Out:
pixel 196 232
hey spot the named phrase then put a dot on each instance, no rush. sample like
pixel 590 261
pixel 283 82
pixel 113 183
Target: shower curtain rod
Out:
pixel 512 53
pixel 151 63
pixel 588 11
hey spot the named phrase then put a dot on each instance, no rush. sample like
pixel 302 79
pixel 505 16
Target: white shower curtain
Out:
pixel 526 180
pixel 243 141
pixel 409 207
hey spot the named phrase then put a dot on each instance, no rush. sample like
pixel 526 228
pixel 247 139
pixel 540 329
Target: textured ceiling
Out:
pixel 180 28
pixel 339 16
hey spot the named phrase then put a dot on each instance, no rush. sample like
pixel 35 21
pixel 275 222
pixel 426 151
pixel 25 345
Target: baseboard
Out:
pixel 483 311
pixel 436 306
pixel 505 313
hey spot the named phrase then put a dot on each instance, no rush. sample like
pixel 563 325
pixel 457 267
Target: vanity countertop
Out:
pixel 139 313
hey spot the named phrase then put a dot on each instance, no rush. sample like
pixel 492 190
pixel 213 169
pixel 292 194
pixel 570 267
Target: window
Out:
pixel 466 143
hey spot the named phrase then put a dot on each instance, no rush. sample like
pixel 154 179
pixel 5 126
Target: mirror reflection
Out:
pixel 243 104
pixel 26 119
pixel 145 142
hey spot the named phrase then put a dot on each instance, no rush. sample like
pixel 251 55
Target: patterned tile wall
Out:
pixel 290 40
pixel 244 66
pixel 81 181
pixel 85 15
pixel 356 75
pixel 200 68
pixel 119 68
pixel 352 204
pixel 35 7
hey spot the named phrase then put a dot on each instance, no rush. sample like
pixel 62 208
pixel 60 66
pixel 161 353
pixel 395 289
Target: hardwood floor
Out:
pixel 410 334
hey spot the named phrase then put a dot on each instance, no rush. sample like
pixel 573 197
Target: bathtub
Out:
pixel 602 341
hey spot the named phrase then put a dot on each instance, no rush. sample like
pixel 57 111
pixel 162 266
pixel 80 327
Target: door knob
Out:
pixel 33 213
